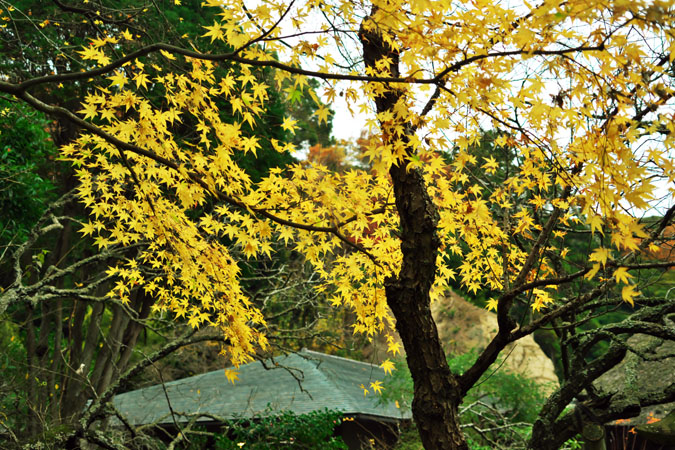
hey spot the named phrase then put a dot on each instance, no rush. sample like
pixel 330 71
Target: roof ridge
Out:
pixel 316 367
pixel 341 358
pixel 348 399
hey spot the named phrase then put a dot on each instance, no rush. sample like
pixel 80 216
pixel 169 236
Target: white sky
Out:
pixel 346 126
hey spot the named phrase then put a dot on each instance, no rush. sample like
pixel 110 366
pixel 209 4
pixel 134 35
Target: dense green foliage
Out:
pixel 27 166
pixel 280 431
pixel 288 430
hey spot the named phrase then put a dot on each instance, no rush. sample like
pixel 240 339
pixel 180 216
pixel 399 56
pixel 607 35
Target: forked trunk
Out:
pixel 437 395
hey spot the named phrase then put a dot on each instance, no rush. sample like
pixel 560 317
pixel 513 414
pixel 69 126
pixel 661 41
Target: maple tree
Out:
pixel 64 341
pixel 580 93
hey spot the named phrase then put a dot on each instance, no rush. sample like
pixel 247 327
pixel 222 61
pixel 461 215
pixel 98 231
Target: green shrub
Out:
pixel 284 430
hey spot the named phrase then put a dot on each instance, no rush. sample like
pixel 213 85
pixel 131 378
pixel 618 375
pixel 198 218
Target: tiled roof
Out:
pixel 303 382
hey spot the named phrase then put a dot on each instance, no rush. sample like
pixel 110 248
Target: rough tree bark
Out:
pixel 437 394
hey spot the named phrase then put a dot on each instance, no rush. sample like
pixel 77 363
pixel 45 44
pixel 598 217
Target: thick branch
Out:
pixel 19 89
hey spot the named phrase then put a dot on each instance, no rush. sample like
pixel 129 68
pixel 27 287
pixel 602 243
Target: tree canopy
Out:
pixel 577 99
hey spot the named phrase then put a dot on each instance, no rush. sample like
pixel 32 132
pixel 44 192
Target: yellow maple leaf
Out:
pixel 622 276
pixel 90 52
pixel 490 165
pixel 322 114
pixel 89 111
pixel 596 224
pixel 592 272
pixel 87 229
pixel 215 32
pixel 167 55
pixel 376 386
pixel 388 366
pixel 193 321
pixel 232 375
pixel 286 233
pixel 628 294
pixel 119 79
pixel 394 348
pixel 250 144
pixel 289 124
pixel 600 255
pixel 492 304
pixel 141 80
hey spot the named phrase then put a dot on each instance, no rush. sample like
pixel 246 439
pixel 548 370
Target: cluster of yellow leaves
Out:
pixel 192 274
pixel 575 132
pixel 143 200
pixel 572 135
pixel 345 202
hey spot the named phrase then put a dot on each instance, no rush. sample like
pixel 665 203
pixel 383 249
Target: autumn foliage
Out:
pixel 578 98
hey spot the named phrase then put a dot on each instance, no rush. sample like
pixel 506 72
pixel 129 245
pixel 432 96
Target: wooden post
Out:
pixel 594 436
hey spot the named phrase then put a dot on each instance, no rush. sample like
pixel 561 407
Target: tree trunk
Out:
pixel 437 395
